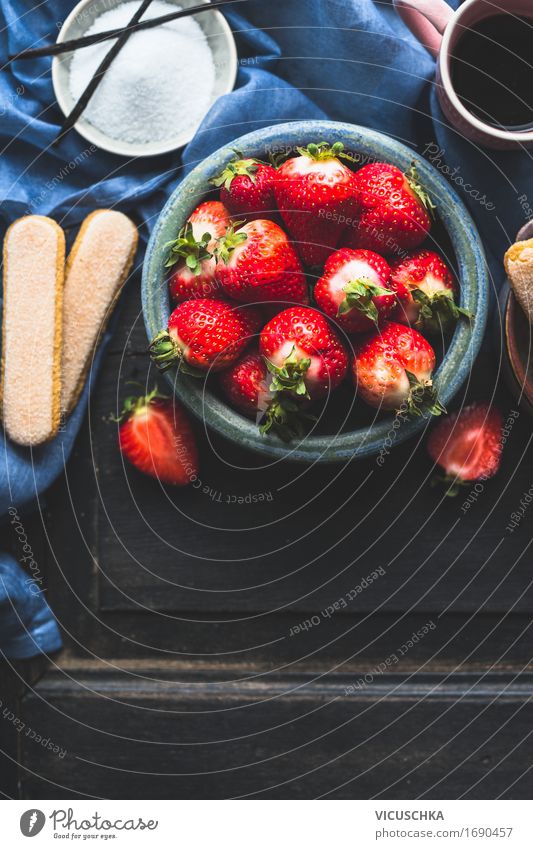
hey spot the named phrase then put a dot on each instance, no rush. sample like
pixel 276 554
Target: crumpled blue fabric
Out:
pixel 348 60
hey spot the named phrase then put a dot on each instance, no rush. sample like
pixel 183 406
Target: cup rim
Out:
pixel 446 79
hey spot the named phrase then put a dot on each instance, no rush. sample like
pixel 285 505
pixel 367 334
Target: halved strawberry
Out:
pixel 393 368
pixel 192 253
pixel 315 195
pixel 392 209
pixel 257 263
pixel 354 289
pixel 430 290
pixel 247 188
pixel 304 355
pixel 204 334
pixel 467 445
pixel 157 437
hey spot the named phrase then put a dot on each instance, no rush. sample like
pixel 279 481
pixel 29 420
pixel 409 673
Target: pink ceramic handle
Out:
pixel 427 20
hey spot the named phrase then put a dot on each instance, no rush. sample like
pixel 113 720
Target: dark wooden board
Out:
pixel 288 737
pixel 301 538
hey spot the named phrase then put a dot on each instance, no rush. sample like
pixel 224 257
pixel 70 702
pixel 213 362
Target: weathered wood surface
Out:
pixel 154 586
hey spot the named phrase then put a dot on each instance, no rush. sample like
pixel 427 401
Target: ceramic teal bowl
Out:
pixel 346 428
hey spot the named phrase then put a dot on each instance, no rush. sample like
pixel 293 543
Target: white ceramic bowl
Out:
pixel 221 42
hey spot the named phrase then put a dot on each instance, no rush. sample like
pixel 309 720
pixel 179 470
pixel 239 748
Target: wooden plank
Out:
pixel 297 736
pixel 288 538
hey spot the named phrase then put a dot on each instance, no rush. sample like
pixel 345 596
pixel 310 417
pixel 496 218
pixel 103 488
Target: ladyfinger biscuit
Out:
pixel 34 259
pixel 97 266
pixel 518 263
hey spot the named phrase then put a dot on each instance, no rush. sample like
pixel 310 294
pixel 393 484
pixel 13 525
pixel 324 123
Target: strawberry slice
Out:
pixel 467 445
pixel 157 437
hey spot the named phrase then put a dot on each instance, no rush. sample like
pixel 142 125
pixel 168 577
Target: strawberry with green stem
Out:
pixel 354 289
pixel 248 387
pixel 204 334
pixel 191 254
pixel 304 356
pixel 427 292
pixel 394 210
pixel 393 370
pixel 257 263
pixel 247 188
pixel 315 196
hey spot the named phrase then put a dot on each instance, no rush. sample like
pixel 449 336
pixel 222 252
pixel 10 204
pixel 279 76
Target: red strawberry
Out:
pixel 204 334
pixel 315 196
pixel 194 276
pixel 354 289
pixel 257 263
pixel 157 437
pixel 393 209
pixel 428 289
pixel 247 383
pixel 392 370
pixel 467 445
pixel 246 188
pixel 304 355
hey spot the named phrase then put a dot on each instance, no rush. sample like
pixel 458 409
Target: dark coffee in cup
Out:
pixel 491 68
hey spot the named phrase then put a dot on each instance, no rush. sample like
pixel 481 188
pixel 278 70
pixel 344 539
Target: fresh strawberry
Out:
pixel 304 355
pixel 393 209
pixel 205 334
pixel 194 274
pixel 315 195
pixel 467 445
pixel 429 287
pixel 392 370
pixel 354 289
pixel 257 263
pixel 247 189
pixel 156 435
pixel 246 384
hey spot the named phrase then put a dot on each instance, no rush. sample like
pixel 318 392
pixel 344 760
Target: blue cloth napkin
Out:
pixel 347 60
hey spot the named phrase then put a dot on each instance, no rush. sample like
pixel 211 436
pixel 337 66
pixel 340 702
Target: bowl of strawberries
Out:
pixel 314 288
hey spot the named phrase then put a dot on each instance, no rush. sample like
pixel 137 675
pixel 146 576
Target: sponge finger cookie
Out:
pixel 34 257
pixel 97 267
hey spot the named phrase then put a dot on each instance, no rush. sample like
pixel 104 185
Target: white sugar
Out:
pixel 159 85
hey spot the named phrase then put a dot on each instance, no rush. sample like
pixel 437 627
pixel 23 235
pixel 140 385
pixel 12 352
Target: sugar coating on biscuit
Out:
pixel 97 266
pixel 34 254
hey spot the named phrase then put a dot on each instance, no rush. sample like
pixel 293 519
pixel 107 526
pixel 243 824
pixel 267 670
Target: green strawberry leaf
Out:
pixel 322 151
pixel 418 189
pixel 237 167
pixel 186 247
pixel 290 377
pixel 422 397
pixel 227 243
pixel 359 294
pixel 440 313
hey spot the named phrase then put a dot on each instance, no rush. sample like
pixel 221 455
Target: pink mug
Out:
pixel 438 28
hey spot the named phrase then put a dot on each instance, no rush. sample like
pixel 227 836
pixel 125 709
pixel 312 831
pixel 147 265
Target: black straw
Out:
pixel 88 40
pixel 73 116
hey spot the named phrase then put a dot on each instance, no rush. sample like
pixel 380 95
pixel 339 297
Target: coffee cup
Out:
pixel 439 29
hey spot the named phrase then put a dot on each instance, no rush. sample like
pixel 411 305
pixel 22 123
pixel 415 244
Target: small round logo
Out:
pixel 32 822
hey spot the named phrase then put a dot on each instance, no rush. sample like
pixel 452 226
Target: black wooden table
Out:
pixel 278 632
